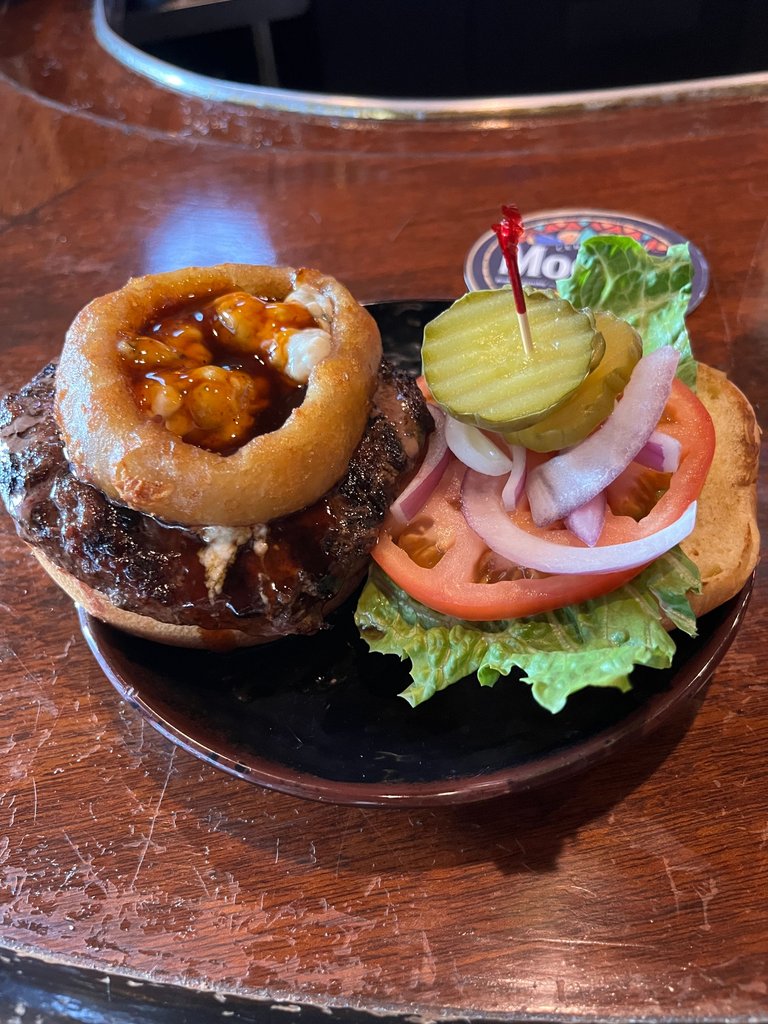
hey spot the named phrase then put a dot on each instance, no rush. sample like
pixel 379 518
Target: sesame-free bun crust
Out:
pixel 112 444
pixel 100 607
pixel 725 543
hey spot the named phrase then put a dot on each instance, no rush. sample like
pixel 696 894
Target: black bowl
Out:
pixel 319 716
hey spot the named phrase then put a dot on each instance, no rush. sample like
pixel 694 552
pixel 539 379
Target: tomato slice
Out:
pixel 443 564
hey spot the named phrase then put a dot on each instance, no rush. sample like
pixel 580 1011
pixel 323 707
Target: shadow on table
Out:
pixel 518 832
pixel 527 831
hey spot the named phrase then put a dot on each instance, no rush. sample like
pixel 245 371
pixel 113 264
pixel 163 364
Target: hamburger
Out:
pixel 211 459
pixel 577 503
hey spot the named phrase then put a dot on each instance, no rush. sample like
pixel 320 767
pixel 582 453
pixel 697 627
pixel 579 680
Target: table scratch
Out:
pixel 145 847
pixel 675 890
pixel 595 942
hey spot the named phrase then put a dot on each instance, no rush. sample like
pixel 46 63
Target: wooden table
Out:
pixel 635 891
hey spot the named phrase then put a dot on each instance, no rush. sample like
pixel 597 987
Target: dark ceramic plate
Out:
pixel 319 716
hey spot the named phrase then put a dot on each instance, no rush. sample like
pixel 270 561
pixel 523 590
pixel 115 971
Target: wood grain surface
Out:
pixel 635 891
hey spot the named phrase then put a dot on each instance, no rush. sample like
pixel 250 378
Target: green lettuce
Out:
pixel 596 643
pixel 652 293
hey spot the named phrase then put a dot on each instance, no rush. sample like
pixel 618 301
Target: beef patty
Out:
pixel 269 579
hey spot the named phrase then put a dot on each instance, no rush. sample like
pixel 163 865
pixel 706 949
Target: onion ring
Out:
pixel 134 460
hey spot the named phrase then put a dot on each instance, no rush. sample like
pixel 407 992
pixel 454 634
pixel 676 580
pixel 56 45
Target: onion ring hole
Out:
pixel 221 373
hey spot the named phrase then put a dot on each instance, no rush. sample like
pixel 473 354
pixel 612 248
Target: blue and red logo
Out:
pixel 552 238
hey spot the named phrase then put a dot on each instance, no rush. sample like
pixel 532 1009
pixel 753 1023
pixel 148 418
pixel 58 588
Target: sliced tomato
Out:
pixel 443 564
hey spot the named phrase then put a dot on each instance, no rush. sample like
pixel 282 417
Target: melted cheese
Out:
pixel 219 550
pixel 317 305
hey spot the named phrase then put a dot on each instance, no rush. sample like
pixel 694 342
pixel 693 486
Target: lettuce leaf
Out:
pixel 596 643
pixel 652 293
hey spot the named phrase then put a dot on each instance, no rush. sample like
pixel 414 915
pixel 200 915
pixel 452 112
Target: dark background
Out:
pixel 469 48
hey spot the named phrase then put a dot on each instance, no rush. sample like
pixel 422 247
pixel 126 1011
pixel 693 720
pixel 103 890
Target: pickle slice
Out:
pixel 478 370
pixel 593 401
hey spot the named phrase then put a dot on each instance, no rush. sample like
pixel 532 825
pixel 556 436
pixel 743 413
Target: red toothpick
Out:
pixel 509 231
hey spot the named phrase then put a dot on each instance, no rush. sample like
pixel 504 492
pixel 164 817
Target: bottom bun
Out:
pixel 170 633
pixel 100 607
pixel 725 543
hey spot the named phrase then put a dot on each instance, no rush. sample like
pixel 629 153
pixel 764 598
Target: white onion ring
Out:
pixel 140 463
pixel 481 504
pixel 475 449
pixel 412 499
pixel 570 479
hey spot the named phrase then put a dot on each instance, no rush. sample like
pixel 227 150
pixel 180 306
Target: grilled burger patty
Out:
pixel 267 580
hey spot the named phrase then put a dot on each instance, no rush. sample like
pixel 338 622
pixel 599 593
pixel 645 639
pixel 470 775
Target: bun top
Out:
pixel 725 543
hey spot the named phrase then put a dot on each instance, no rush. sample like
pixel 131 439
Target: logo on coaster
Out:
pixel 552 238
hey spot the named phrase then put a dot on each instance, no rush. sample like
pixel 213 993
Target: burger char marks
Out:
pixel 280 578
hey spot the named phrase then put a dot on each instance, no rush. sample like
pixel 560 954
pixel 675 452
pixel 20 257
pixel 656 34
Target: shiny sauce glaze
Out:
pixel 213 370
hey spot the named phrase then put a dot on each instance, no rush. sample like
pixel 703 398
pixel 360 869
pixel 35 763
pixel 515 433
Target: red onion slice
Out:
pixel 515 484
pixel 587 521
pixel 475 449
pixel 660 452
pixel 572 478
pixel 412 499
pixel 481 504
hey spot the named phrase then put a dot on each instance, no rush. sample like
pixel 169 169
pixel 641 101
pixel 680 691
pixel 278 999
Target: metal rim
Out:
pixel 203 87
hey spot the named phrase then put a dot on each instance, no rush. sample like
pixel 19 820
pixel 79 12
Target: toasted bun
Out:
pixel 100 607
pixel 725 543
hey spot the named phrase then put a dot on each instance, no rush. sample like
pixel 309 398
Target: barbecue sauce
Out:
pixel 211 371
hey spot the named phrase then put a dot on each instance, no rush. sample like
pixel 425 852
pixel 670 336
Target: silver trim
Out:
pixel 203 87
